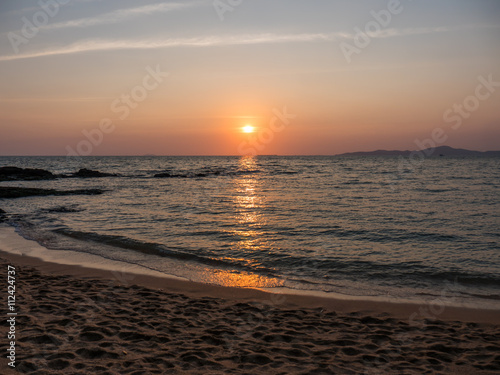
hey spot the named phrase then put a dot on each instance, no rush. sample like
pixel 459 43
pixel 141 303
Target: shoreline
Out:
pixel 23 252
pixel 80 320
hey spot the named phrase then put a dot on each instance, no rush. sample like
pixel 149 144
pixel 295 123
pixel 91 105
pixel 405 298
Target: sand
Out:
pixel 77 320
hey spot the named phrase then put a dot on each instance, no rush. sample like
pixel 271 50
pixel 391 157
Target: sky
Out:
pixel 311 77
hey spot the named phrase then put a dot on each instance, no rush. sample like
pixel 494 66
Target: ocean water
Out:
pixel 357 226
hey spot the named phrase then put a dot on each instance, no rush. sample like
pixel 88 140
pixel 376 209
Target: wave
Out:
pixel 205 172
pixel 160 250
pixel 389 235
pixel 407 273
pixel 215 172
pixel 429 190
pixel 292 266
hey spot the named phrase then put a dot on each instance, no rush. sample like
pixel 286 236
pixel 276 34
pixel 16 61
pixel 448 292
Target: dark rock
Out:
pixel 62 209
pixel 15 173
pixel 88 173
pixel 3 215
pixel 166 175
pixel 19 192
pixel 180 175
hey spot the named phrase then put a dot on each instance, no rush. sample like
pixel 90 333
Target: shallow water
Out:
pixel 352 225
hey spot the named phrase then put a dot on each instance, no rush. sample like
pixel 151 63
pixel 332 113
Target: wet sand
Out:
pixel 78 320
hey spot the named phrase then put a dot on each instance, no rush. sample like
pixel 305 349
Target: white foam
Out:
pixel 12 242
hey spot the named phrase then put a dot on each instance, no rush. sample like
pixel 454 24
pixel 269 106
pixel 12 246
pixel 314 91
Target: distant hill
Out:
pixel 438 151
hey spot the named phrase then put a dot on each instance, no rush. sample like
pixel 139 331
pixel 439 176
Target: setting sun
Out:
pixel 248 129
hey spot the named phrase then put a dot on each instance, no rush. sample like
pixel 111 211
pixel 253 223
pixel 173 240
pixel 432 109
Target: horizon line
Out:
pixel 233 155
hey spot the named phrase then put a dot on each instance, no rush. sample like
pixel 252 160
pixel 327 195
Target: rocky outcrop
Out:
pixel 19 192
pixel 15 173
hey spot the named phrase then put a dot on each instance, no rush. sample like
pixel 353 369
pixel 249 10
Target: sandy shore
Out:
pixel 80 320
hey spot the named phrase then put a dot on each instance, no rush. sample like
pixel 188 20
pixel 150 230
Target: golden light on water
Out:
pixel 248 219
pixel 241 279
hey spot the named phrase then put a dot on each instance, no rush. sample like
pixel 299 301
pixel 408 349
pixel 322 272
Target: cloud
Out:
pixel 206 41
pixel 32 9
pixel 119 15
pixel 214 41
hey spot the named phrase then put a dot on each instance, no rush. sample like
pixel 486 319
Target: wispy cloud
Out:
pixel 120 15
pixel 214 41
pixel 206 41
pixel 32 9
pixel 388 33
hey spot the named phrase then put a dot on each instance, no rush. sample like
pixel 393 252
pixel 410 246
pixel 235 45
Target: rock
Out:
pixel 3 215
pixel 15 173
pixel 88 173
pixel 63 209
pixel 19 192
pixel 165 175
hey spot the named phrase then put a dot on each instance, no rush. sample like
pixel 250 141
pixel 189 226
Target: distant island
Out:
pixel 437 151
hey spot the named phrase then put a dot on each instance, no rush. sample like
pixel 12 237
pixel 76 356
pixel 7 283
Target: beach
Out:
pixel 80 320
pixel 250 187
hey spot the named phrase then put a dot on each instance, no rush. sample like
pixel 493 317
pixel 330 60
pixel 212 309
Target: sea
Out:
pixel 355 226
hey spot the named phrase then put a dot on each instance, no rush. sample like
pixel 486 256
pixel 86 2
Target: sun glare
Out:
pixel 248 129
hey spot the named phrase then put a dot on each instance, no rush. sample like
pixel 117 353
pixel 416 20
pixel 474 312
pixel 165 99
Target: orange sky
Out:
pixel 94 61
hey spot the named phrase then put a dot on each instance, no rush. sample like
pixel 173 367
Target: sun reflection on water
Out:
pixel 241 279
pixel 247 201
pixel 248 205
pixel 249 239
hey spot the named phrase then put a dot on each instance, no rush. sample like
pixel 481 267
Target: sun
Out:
pixel 248 129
